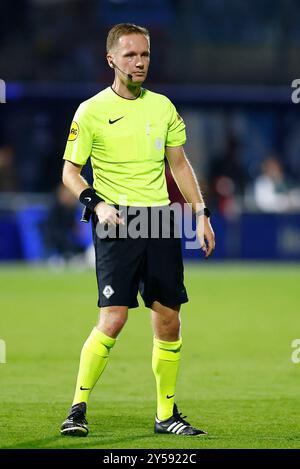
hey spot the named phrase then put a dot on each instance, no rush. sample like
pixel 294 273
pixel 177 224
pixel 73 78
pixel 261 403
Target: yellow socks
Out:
pixel 165 365
pixel 93 360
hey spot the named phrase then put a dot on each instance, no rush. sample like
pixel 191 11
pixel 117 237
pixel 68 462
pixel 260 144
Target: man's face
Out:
pixel 132 55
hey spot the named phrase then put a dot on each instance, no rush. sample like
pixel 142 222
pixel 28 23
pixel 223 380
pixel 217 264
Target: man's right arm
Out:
pixel 72 178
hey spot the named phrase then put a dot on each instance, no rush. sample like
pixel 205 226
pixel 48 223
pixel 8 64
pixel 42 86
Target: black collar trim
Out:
pixel 129 99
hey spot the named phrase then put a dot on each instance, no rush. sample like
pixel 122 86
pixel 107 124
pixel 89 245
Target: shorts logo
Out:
pixel 74 131
pixel 108 291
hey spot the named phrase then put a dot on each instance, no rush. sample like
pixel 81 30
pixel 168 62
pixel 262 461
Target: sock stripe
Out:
pixel 166 345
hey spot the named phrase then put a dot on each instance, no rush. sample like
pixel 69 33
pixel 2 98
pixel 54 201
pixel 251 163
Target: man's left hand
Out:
pixel 206 235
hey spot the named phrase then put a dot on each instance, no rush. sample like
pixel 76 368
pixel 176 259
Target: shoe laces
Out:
pixel 178 415
pixel 78 415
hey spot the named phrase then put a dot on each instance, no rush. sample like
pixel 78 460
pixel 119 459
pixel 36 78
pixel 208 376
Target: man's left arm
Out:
pixel 187 183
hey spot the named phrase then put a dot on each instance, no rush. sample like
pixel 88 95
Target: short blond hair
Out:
pixel 123 29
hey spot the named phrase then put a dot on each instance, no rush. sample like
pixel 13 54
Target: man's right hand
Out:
pixel 108 214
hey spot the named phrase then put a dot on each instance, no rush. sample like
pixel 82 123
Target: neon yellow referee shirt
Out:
pixel 126 139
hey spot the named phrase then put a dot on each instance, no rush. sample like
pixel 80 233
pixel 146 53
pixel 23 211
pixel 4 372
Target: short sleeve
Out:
pixel 80 140
pixel 176 128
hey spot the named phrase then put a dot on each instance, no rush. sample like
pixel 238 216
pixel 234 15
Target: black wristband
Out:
pixel 89 198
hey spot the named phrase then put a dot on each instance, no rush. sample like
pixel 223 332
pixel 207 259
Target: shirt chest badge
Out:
pixel 158 143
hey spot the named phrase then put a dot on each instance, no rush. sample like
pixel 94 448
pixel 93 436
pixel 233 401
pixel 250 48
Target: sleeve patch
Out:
pixel 74 131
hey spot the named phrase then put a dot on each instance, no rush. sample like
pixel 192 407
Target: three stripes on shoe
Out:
pixel 175 427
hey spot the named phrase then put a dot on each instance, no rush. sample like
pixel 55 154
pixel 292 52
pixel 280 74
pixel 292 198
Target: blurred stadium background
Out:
pixel 228 66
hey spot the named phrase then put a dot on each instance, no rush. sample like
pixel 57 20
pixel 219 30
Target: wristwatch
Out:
pixel 204 211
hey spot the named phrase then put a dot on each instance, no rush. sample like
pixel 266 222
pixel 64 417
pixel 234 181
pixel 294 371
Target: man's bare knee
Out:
pixel 166 321
pixel 112 320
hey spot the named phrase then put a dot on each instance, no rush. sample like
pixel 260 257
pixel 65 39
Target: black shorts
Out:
pixel 149 264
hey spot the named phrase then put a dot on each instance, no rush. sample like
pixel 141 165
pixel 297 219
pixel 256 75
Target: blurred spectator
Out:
pixel 61 230
pixel 227 177
pixel 273 191
pixel 8 178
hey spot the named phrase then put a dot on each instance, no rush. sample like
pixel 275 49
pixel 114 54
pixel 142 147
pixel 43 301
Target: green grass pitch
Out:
pixel 236 380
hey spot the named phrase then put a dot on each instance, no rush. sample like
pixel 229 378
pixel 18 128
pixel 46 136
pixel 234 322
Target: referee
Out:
pixel 127 131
